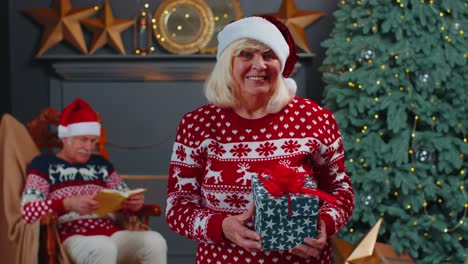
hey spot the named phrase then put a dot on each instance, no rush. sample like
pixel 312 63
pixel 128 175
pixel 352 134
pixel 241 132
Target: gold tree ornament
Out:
pixel 61 22
pixel 296 21
pixel 106 29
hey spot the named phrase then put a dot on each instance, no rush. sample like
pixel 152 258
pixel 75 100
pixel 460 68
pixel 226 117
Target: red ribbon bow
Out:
pixel 281 180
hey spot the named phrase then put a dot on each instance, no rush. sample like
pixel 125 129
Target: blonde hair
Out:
pixel 219 87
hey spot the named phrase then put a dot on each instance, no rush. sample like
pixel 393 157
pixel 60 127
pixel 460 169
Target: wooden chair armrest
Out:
pixel 50 218
pixel 149 210
pixel 49 221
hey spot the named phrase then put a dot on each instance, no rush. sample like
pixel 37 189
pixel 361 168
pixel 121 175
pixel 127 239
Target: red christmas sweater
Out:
pixel 216 152
pixel 51 179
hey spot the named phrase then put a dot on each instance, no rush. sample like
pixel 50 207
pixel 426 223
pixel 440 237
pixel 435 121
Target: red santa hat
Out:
pixel 269 31
pixel 78 118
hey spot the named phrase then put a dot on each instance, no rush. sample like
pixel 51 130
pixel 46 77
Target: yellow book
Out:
pixel 111 200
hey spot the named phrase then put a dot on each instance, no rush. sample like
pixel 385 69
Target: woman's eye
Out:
pixel 246 54
pixel 268 55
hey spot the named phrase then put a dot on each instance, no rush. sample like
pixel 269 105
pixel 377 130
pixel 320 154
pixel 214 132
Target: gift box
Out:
pixel 284 222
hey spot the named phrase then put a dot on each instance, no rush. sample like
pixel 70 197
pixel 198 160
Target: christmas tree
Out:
pixel 395 77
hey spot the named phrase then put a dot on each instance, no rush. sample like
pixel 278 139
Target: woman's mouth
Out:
pixel 257 78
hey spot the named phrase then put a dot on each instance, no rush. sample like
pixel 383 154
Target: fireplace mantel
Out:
pixel 138 68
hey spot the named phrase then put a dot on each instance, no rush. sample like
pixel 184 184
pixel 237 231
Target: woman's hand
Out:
pixel 81 205
pixel 134 202
pixel 234 230
pixel 314 246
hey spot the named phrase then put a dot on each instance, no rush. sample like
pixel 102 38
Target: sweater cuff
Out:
pixel 215 228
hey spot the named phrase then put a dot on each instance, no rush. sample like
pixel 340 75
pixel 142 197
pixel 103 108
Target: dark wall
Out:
pixel 5 100
pixel 28 76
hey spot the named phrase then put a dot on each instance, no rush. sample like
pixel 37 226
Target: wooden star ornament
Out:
pixel 367 250
pixel 61 22
pixel 107 29
pixel 296 21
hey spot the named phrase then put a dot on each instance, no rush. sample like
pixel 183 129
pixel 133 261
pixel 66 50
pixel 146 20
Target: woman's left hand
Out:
pixel 314 245
pixel 134 202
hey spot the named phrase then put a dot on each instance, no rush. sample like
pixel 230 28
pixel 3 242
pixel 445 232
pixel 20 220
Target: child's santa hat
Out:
pixel 269 31
pixel 77 119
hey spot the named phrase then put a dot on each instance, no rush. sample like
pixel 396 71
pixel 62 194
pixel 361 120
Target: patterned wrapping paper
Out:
pixel 278 230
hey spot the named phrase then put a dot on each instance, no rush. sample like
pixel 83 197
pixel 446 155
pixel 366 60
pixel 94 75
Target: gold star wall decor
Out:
pixel 61 22
pixel 296 21
pixel 107 29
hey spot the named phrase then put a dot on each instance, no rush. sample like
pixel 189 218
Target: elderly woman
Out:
pixel 254 121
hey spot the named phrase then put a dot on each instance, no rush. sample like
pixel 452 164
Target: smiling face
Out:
pixel 255 72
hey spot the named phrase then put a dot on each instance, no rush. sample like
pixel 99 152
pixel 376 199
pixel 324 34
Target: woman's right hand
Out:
pixel 82 204
pixel 234 230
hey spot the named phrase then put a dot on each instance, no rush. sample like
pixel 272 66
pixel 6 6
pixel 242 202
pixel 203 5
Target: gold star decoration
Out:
pixel 61 22
pixel 296 21
pixel 362 251
pixel 107 29
pixel 366 250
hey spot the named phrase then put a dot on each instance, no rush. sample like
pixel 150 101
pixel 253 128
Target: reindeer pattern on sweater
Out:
pixel 50 180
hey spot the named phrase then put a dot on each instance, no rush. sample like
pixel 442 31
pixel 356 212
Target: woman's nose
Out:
pixel 258 62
